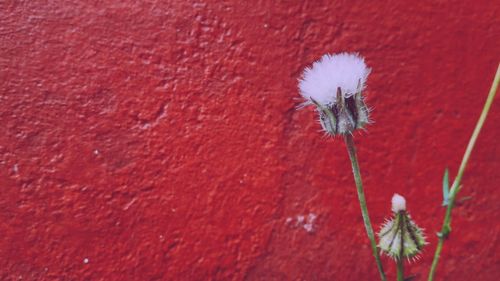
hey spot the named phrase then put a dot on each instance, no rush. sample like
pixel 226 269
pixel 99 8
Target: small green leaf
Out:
pixel 446 188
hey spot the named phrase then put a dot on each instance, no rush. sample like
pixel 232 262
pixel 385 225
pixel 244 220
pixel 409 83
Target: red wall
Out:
pixel 160 141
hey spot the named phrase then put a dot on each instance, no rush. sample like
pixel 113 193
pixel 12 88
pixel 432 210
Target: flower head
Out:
pixel 400 237
pixel 334 84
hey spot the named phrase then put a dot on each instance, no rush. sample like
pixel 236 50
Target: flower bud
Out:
pixel 400 237
pixel 398 203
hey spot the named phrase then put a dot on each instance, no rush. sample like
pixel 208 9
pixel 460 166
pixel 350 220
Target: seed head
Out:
pixel 334 84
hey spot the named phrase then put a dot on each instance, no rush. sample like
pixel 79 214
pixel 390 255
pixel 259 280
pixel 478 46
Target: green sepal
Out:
pixel 326 118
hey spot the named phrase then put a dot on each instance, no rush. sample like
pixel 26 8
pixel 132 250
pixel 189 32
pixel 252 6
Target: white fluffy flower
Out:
pixel 334 85
pixel 398 203
pixel 346 71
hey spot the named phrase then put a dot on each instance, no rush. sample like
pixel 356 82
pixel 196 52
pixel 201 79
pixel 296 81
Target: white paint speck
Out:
pixel 309 225
pixel 304 221
pixel 266 25
pixel 85 260
pixel 15 168
pixel 300 220
pixel 130 203
pixel 96 152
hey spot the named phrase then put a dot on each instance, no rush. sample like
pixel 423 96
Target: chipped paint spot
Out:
pixel 309 225
pixel 306 222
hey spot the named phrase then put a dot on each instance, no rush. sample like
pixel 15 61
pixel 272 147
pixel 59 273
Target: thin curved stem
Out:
pixel 362 202
pixel 445 229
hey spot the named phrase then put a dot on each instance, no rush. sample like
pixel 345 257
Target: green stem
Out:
pixel 400 269
pixel 445 229
pixel 362 202
pixel 399 262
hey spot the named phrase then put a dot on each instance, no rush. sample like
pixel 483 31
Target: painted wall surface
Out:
pixel 159 140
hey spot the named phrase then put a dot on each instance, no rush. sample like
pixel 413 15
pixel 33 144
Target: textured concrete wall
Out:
pixel 160 141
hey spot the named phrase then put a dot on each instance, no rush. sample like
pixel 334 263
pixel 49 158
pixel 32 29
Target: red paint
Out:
pixel 160 141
